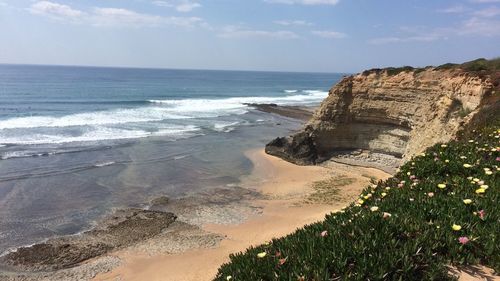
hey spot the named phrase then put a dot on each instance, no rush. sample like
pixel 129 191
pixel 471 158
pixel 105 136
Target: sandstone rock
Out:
pixel 394 114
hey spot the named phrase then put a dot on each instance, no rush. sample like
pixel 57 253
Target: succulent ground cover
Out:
pixel 441 208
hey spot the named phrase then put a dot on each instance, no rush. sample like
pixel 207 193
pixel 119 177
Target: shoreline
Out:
pixel 275 199
pixel 284 187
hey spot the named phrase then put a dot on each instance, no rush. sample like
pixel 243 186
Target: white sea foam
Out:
pixel 180 157
pixel 97 134
pixel 238 103
pixel 110 117
pixel 291 91
pixel 104 164
pixel 157 119
pixel 225 126
pixel 164 110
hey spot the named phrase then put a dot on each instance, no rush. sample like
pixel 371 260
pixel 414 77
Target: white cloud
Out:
pixel 488 12
pixel 481 27
pixel 55 11
pixel 109 16
pixel 485 1
pixel 293 22
pixel 453 9
pixel 474 26
pixel 238 32
pixel 304 2
pixel 116 16
pixel 329 34
pixel 181 6
pixel 387 40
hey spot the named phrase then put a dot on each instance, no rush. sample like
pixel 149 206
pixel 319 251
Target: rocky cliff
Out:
pixel 392 114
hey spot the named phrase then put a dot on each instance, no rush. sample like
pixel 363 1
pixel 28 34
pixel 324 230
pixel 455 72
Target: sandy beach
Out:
pixel 284 207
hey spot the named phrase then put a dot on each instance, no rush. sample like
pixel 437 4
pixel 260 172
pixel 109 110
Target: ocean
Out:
pixel 79 142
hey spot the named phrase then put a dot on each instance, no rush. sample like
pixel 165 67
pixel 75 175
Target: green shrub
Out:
pixel 402 228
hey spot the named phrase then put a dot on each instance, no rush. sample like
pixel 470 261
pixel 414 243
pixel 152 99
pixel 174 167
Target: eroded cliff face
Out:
pixel 394 115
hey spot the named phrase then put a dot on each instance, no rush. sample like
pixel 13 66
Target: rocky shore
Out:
pixel 153 231
pixel 122 228
pixel 297 112
pixel 393 114
pixel 167 226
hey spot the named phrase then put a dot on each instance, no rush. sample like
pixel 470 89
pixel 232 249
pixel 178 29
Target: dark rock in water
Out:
pixel 295 112
pixel 123 228
pixel 160 201
pixel 54 256
pixel 299 149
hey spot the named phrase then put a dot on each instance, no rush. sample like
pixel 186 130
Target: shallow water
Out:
pixel 77 143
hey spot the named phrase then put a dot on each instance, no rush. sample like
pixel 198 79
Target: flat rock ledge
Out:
pixel 121 229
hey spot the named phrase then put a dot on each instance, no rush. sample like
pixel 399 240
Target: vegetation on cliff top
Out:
pixel 441 208
pixel 477 66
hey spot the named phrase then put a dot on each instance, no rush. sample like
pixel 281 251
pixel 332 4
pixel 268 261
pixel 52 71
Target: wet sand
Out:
pixel 284 188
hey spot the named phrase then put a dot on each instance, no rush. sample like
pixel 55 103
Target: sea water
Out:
pixel 78 142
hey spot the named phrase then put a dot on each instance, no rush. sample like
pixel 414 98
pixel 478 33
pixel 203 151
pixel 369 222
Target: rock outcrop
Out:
pixel 393 112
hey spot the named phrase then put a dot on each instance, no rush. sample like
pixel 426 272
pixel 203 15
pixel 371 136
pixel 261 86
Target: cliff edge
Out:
pixel 385 116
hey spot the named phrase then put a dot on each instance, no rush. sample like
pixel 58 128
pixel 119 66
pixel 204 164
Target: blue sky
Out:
pixel 286 35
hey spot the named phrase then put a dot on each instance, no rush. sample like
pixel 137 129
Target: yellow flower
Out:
pixel 456 227
pixel 422 154
pixel 480 190
pixel 467 165
pixel 447 161
pixel 476 179
pixel 261 255
pixel 484 186
pixel 229 277
pixel 489 173
pixel 360 201
pixel 383 194
pixel 444 145
pixel 374 209
pixel 467 201
pixel 442 185
pixel 469 178
pixel 387 188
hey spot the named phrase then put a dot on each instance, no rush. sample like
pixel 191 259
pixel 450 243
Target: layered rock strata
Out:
pixel 393 114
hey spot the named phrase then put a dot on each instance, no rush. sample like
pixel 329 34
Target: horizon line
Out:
pixel 169 68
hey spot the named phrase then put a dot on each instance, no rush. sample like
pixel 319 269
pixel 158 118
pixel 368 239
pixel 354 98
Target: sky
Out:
pixel 270 35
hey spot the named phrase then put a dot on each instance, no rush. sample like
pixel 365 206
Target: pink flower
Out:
pixel 430 194
pixel 400 185
pixel 463 240
pixel 281 261
pixel 498 159
pixel 481 214
pixel 324 233
pixel 412 177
